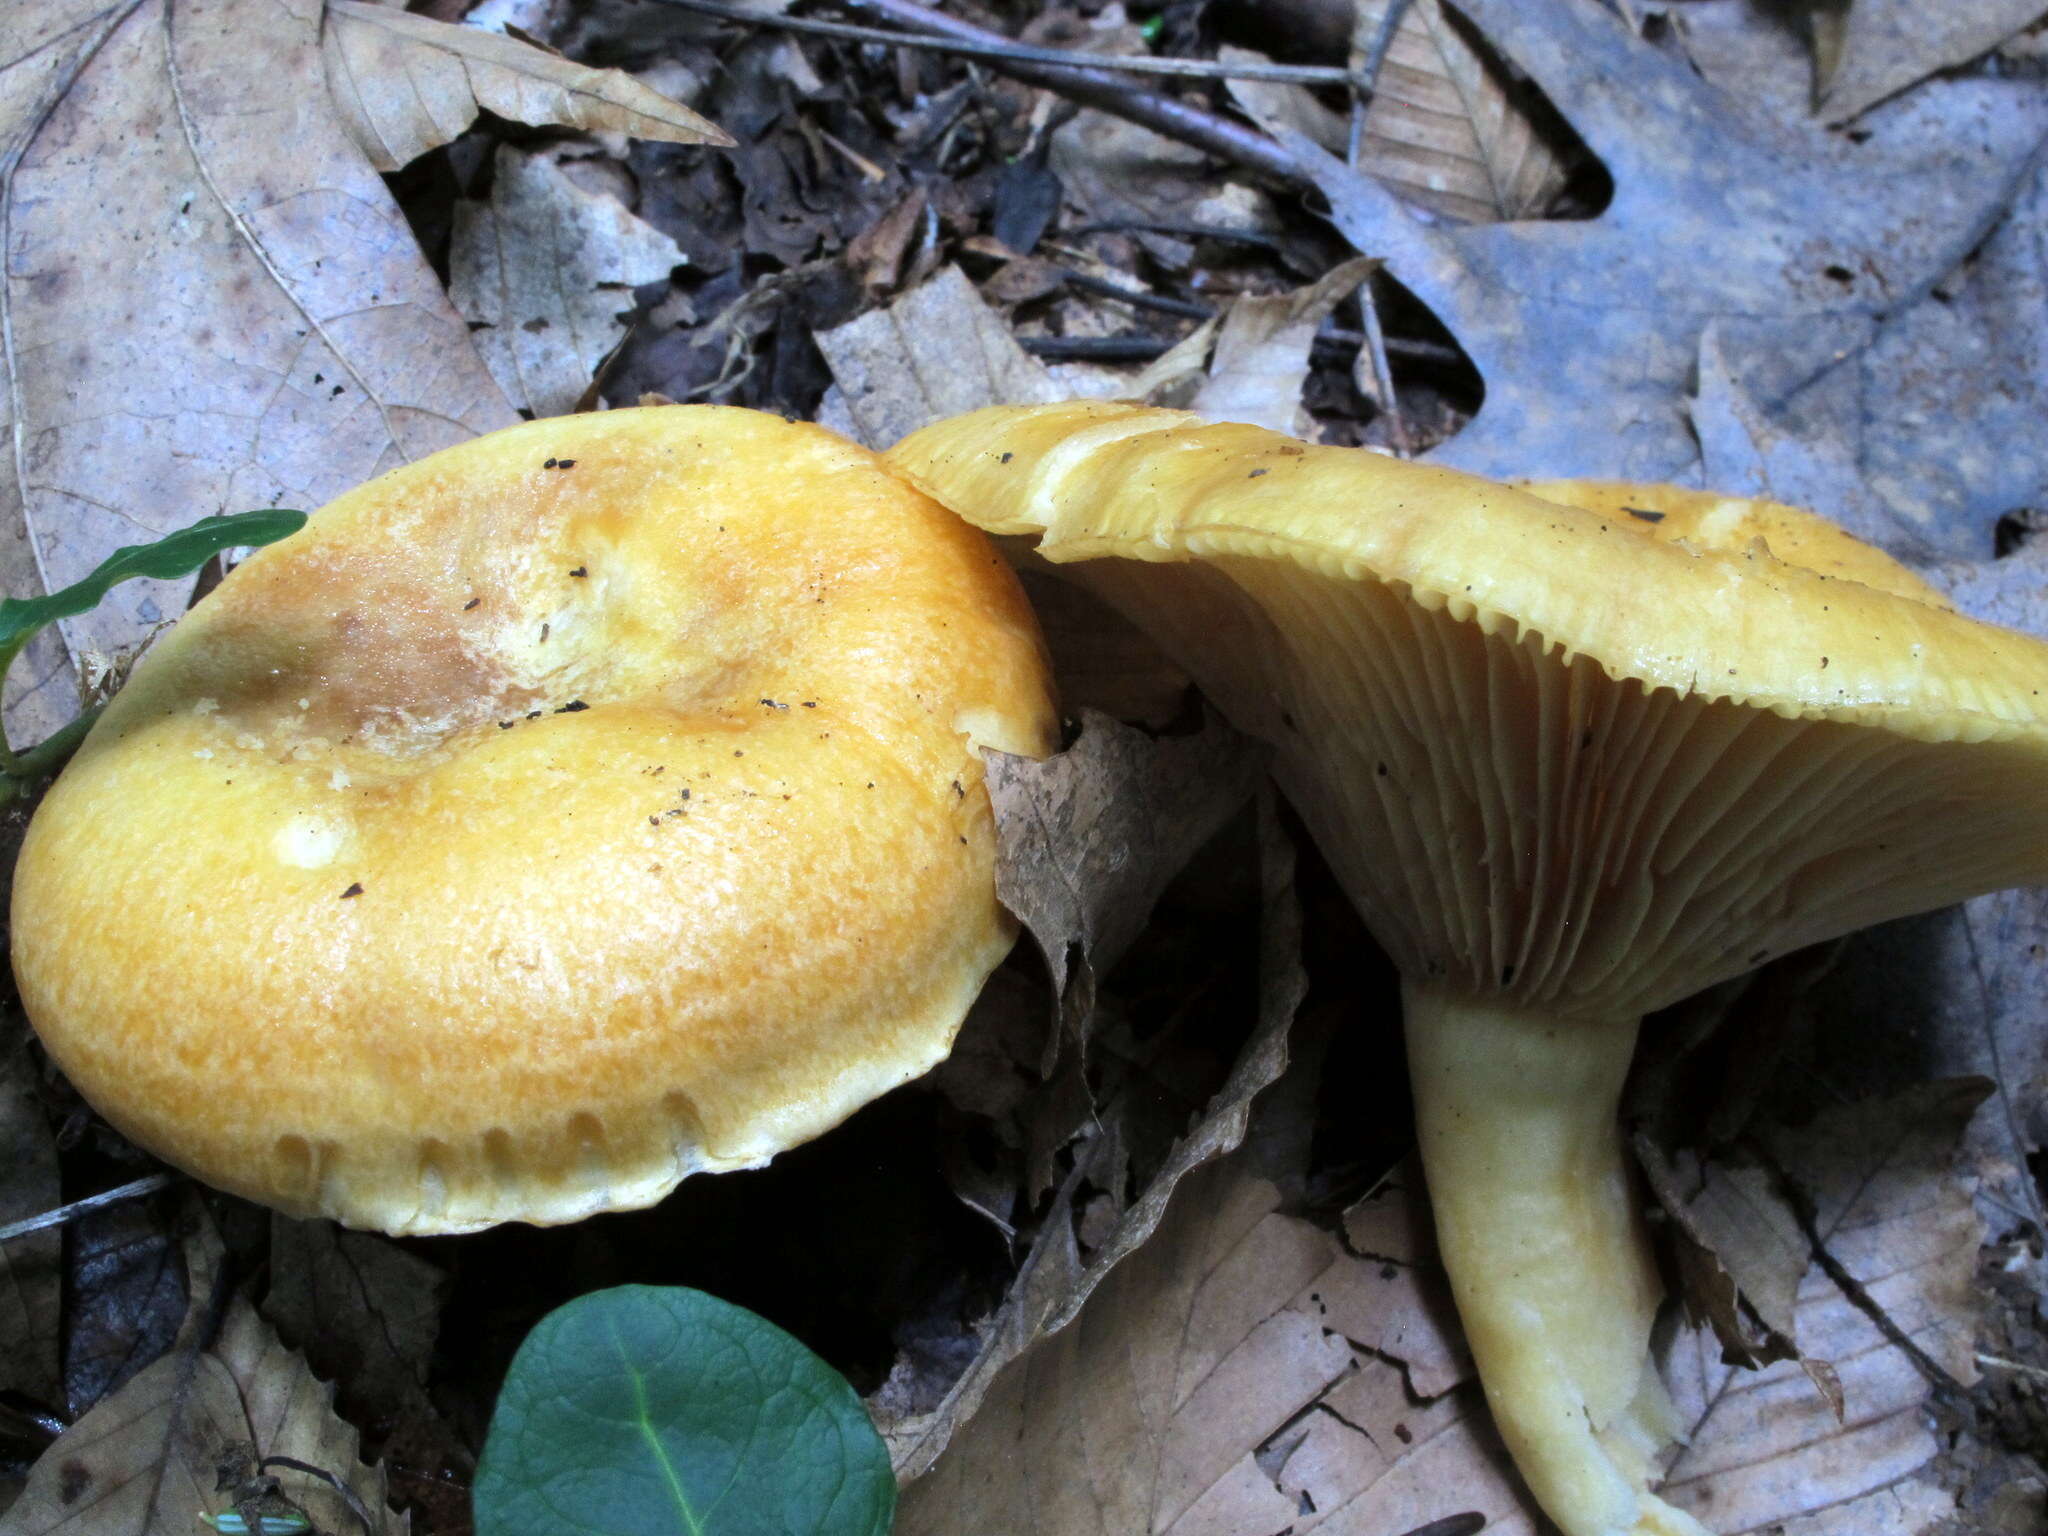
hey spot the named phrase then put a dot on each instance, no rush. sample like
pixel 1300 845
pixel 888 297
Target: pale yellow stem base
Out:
pixel 1544 1242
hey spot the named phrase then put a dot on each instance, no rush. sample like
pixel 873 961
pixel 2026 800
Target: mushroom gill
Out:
pixel 1570 767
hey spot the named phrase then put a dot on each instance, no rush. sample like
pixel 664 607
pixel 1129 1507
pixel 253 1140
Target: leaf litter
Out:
pixel 291 340
pixel 1759 368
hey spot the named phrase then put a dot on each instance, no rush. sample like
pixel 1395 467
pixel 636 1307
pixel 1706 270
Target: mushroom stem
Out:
pixel 1548 1258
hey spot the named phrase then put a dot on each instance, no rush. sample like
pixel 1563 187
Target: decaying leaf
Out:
pixel 1740 1251
pixel 542 273
pixel 404 84
pixel 1090 837
pixel 1446 129
pixel 1886 46
pixel 147 1459
pixel 363 1309
pixel 937 351
pixel 1100 659
pixel 1587 333
pixel 1890 1304
pixel 1261 358
pixel 31 1267
pixel 181 1439
pixel 289 340
pixel 1932 409
pixel 131 1293
pixel 1056 1279
pixel 1244 1371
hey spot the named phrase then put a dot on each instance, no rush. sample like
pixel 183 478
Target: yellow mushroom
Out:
pixel 585 806
pixel 1571 765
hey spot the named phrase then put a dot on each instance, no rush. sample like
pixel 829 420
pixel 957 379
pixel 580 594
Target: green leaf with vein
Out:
pixel 175 554
pixel 660 1411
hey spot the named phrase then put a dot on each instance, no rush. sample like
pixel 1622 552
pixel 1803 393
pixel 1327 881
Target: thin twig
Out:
pixel 1138 298
pixel 1999 1362
pixel 349 1496
pixel 1142 347
pixel 1374 353
pixel 1094 86
pixel 1469 1524
pixel 1025 53
pixel 77 1208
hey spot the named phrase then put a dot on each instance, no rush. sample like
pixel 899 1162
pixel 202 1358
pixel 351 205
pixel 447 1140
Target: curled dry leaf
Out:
pixel 1089 838
pixel 1055 1280
pixel 290 340
pixel 1262 352
pixel 542 272
pixel 404 84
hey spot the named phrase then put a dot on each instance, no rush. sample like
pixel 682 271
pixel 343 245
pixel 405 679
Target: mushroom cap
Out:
pixel 590 804
pixel 1550 758
pixel 1675 514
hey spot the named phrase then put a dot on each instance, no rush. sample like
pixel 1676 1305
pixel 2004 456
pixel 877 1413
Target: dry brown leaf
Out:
pixel 1187 1396
pixel 1100 659
pixel 1445 128
pixel 1262 353
pixel 1241 1372
pixel 1885 46
pixel 31 1267
pixel 144 1461
pixel 1899 1229
pixel 211 301
pixel 542 273
pixel 364 1309
pixel 1089 838
pixel 1055 1280
pixel 154 1456
pixel 404 84
pixel 1741 1252
pixel 937 351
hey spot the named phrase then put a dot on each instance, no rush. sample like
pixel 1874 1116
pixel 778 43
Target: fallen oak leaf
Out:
pixel 1586 333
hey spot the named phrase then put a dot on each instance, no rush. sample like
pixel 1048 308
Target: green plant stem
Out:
pixel 22 771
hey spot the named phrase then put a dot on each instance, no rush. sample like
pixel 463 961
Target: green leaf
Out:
pixel 655 1411
pixel 175 554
